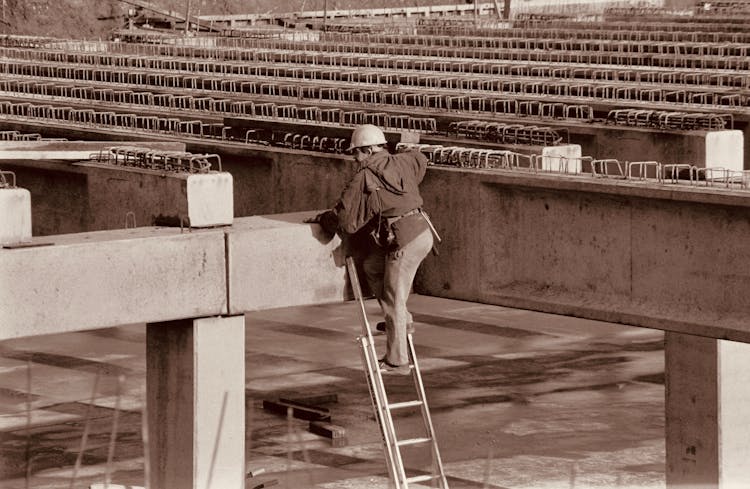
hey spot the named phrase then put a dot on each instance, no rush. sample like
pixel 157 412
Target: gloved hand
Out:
pixel 328 220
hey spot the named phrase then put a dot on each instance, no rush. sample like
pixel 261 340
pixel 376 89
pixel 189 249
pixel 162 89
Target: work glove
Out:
pixel 328 220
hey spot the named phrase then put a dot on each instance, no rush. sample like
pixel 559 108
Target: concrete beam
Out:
pixel 240 126
pixel 277 261
pixel 100 279
pixel 95 280
pixel 700 148
pixel 622 230
pixel 83 196
pixel 659 256
pixel 70 150
pixel 388 12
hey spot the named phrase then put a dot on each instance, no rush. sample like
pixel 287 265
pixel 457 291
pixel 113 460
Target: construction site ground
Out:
pixel 519 400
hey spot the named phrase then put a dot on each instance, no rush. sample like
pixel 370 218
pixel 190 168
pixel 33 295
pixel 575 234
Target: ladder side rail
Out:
pixel 378 404
pixel 375 381
pixel 417 376
pixel 357 290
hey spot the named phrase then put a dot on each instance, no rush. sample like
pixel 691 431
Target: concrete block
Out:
pixel 278 261
pixel 108 278
pixel 210 199
pixel 15 215
pixel 410 137
pixel 725 149
pixel 565 158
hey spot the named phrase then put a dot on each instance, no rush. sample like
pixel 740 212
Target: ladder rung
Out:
pixel 421 478
pixel 413 441
pixel 410 366
pixel 401 405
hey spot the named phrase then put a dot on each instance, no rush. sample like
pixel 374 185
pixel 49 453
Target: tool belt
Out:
pixel 391 220
pixel 383 233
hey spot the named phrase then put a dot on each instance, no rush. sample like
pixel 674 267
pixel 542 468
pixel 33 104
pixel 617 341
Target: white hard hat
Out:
pixel 367 135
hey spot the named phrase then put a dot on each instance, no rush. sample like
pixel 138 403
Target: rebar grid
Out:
pixel 169 161
pixel 651 172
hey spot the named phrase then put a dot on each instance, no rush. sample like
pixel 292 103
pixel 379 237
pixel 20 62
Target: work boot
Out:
pixel 388 369
pixel 381 327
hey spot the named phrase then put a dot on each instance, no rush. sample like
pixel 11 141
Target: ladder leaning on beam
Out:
pixel 383 408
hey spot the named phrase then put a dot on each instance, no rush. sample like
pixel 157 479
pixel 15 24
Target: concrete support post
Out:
pixel 196 403
pixel 707 415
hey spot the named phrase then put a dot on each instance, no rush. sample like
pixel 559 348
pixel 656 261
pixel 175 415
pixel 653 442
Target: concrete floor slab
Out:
pixel 103 351
pixel 12 422
pixel 547 400
pixel 291 381
pixel 591 471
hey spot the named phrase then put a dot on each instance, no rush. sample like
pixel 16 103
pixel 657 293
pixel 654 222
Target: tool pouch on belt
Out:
pixel 383 234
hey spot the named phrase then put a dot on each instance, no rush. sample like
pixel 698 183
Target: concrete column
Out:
pixel 196 403
pixel 707 414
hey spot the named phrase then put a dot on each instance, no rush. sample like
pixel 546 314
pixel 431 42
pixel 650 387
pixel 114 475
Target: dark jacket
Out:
pixel 384 186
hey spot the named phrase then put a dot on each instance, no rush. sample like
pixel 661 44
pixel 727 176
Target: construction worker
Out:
pixel 382 203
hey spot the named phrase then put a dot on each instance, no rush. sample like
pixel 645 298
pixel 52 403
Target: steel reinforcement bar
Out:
pixel 371 87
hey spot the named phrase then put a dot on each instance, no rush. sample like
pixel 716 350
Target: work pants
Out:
pixel 390 276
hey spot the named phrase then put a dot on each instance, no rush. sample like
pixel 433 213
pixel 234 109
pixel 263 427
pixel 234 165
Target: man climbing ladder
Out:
pixel 380 210
pixel 383 409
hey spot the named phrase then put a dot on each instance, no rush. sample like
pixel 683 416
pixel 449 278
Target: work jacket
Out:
pixel 385 186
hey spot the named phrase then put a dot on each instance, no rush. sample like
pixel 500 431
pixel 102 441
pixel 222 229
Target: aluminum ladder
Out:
pixel 383 409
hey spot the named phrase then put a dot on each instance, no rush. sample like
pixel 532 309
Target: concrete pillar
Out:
pixel 196 403
pixel 707 414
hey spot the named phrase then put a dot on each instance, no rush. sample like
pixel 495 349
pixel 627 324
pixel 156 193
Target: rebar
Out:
pixel 86 429
pixel 113 435
pixel 7 179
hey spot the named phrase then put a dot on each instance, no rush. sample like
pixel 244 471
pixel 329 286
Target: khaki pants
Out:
pixel 390 276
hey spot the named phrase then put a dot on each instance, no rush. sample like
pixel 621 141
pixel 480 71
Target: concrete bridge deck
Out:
pixel 554 401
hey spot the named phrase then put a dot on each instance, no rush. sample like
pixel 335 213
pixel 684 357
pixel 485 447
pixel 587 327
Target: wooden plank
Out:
pixel 314 400
pixel 327 429
pixel 299 412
